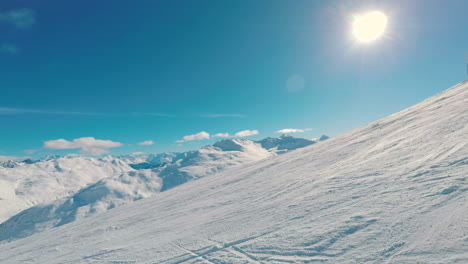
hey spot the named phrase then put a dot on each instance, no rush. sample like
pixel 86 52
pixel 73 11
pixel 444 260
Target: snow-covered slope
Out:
pixel 23 185
pixel 394 191
pixel 99 197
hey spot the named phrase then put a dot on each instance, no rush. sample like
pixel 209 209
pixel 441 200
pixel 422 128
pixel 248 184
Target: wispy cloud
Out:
pixel 246 133
pixel 221 135
pixel 20 18
pixel 30 151
pixel 87 145
pixel 199 136
pixel 19 111
pixel 293 130
pixel 221 115
pixel 146 143
pixel 9 49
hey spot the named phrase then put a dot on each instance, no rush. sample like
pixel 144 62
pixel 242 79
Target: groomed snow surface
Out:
pixel 394 191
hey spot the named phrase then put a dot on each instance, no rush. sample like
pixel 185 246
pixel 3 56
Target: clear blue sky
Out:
pixel 133 71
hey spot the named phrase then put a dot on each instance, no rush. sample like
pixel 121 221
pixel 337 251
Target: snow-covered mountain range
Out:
pixel 58 190
pixel 393 191
pixel 25 184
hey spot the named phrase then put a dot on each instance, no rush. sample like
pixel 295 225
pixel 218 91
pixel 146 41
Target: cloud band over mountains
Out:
pixel 204 135
pixel 293 130
pixel 86 145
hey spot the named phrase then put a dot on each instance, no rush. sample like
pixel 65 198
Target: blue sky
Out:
pixel 126 72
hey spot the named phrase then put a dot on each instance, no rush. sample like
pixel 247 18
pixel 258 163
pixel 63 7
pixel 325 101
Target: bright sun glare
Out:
pixel 370 26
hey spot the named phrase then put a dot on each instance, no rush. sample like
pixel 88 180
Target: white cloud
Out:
pixel 87 145
pixel 60 144
pixel 221 135
pixel 9 49
pixel 292 130
pixel 295 83
pixel 246 133
pixel 20 18
pixel 146 143
pixel 199 136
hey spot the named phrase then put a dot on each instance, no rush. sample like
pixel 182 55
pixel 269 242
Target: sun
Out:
pixel 370 26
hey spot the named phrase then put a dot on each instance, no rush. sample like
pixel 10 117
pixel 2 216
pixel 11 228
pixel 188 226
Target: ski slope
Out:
pixel 394 191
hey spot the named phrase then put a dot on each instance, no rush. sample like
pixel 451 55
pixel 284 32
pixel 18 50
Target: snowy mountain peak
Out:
pixel 284 143
pixel 232 144
pixel 323 137
pixel 46 180
pixel 9 163
pixel 50 157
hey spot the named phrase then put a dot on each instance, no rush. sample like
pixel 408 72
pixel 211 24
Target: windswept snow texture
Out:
pixel 394 191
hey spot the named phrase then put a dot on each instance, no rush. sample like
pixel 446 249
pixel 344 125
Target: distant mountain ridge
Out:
pixel 58 190
pixel 23 185
pixel 287 143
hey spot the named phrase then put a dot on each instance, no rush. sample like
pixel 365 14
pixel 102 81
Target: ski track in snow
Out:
pixel 394 191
